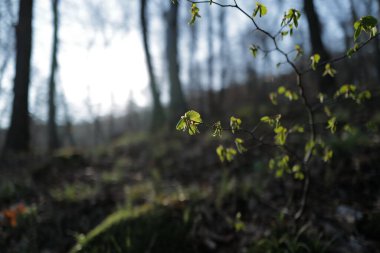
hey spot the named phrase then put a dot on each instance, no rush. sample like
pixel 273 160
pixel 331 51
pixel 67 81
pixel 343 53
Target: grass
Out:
pixel 147 228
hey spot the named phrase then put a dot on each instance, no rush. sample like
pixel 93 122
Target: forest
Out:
pixel 189 126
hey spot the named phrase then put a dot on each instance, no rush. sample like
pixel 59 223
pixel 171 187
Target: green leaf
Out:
pixel 260 9
pixel 281 90
pixel 327 154
pixel 364 95
pixel 329 70
pixel 365 24
pixel 353 50
pixel 321 97
pixel 220 150
pixel 239 145
pixel 190 122
pixel 217 129
pixel 254 50
pixel 291 19
pixel 194 116
pixel 297 170
pixel 299 51
pixel 273 121
pixel 297 129
pixel 281 134
pixel 273 98
pixel 239 224
pixel 331 124
pixel 314 61
pixel 194 13
pixel 291 95
pixel 230 154
pixel 309 146
pixel 284 33
pixel 346 90
pixel 235 124
pixel 225 154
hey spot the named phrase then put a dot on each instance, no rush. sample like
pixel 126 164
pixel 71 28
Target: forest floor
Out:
pixel 170 193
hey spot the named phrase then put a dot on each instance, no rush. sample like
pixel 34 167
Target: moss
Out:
pixel 146 229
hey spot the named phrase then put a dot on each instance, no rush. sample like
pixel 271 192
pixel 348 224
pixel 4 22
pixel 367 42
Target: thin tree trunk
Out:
pixel 210 62
pixel 223 57
pixel 327 84
pixel 177 98
pixel 18 135
pixel 377 47
pixel 158 116
pixel 68 122
pixel 53 142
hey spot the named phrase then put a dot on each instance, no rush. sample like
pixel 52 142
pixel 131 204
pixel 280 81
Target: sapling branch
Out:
pixel 291 20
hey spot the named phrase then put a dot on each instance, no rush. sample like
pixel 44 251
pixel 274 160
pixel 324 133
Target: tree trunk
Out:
pixel 326 84
pixel 223 59
pixel 18 136
pixel 210 62
pixel 177 99
pixel 377 47
pixel 53 142
pixel 158 116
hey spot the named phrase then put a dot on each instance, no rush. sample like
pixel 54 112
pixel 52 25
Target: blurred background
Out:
pixel 91 92
pixel 101 71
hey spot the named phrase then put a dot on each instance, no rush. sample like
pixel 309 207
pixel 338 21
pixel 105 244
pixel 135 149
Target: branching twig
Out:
pixel 301 90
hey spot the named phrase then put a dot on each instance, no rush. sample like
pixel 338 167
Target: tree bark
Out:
pixel 177 98
pixel 326 84
pixel 210 62
pixel 18 135
pixel 53 142
pixel 158 116
pixel 377 48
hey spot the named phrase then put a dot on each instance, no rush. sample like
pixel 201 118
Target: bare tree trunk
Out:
pixel 53 142
pixel 327 84
pixel 68 122
pixel 177 98
pixel 158 116
pixel 210 62
pixel 377 47
pixel 18 135
pixel 223 57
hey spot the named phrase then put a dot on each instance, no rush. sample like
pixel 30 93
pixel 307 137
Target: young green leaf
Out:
pixel 190 122
pixel 273 98
pixel 329 70
pixel 281 134
pixel 297 170
pixel 314 61
pixel 299 51
pixel 273 121
pixel 217 129
pixel 331 124
pixel 327 154
pixel 365 24
pixel 254 50
pixel 220 151
pixel 235 124
pixel 260 9
pixel 225 154
pixel 239 145
pixel 194 13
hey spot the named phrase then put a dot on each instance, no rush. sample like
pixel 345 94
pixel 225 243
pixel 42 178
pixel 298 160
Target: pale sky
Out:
pixel 103 64
pixel 89 63
pixel 102 56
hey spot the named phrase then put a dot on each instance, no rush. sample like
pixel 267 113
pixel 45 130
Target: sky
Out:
pixel 94 64
pixel 99 64
pixel 101 59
